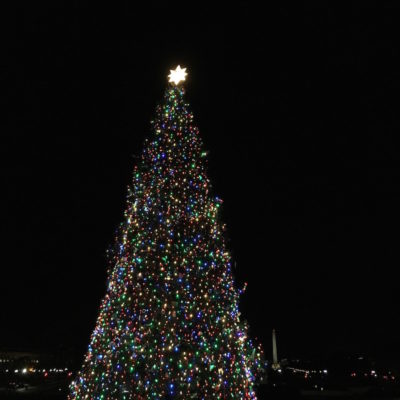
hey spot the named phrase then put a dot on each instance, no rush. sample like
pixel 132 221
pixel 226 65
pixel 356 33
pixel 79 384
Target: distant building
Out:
pixel 22 359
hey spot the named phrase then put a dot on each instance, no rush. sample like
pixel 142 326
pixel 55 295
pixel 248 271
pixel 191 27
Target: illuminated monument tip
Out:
pixel 177 75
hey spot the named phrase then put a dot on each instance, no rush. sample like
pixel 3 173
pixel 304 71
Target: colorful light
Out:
pixel 169 324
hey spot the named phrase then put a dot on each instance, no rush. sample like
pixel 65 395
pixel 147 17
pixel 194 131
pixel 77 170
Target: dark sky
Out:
pixel 299 109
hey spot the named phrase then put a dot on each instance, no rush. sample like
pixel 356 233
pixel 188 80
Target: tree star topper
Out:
pixel 178 75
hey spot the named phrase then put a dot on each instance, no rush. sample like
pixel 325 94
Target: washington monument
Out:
pixel 275 362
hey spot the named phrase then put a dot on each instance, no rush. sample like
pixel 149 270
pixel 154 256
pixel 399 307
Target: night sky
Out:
pixel 299 108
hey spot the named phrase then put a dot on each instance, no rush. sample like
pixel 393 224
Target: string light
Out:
pixel 169 324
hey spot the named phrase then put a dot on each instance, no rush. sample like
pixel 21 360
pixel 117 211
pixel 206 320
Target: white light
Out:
pixel 16 371
pixel 177 75
pixel 24 371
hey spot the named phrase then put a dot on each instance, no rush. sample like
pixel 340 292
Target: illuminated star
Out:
pixel 177 75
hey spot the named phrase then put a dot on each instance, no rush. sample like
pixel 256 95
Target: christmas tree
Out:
pixel 169 326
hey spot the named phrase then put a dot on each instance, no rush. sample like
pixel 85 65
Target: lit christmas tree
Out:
pixel 169 325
